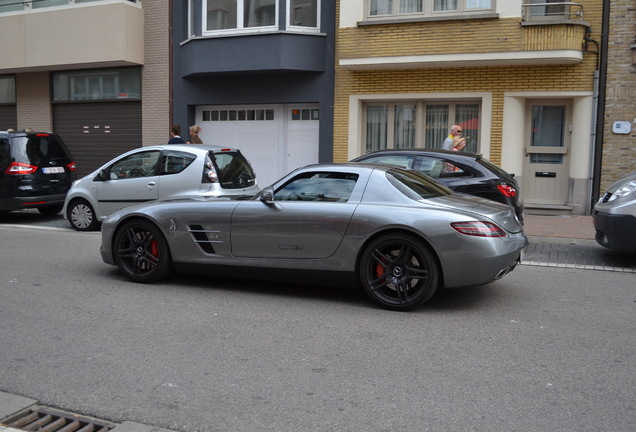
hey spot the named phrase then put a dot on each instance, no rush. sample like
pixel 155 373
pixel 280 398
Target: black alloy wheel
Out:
pixel 141 251
pixel 81 216
pixel 398 272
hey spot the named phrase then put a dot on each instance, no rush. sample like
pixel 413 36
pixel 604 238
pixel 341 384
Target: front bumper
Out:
pixel 615 231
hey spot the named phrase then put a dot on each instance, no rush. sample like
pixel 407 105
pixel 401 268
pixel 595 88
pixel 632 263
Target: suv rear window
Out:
pixel 39 150
pixel 234 170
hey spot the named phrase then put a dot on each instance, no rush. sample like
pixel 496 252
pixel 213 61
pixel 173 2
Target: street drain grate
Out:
pixel 43 419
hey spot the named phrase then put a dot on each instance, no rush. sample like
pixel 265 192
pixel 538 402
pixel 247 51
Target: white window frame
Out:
pixel 357 115
pixel 239 29
pixel 303 29
pixel 428 10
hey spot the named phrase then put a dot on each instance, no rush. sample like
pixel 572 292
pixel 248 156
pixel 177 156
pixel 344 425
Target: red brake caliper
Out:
pixel 154 249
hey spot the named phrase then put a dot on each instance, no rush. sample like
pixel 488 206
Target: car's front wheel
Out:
pixel 398 272
pixel 141 251
pixel 81 216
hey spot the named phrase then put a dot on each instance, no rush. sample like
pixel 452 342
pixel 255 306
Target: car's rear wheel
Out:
pixel 81 216
pixel 50 210
pixel 141 251
pixel 398 272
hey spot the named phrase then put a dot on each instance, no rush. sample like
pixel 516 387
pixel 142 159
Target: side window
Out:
pixel 142 164
pixel 453 169
pixel 403 161
pixel 317 186
pixel 432 167
pixel 174 161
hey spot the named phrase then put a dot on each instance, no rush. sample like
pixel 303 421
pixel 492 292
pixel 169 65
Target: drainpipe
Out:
pixel 600 78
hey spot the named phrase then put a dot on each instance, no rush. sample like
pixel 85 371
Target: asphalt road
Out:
pixel 541 349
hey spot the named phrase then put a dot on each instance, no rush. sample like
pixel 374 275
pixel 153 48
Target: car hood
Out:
pixel 502 214
pixel 620 183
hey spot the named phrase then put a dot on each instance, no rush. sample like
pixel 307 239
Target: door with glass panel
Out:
pixel 546 165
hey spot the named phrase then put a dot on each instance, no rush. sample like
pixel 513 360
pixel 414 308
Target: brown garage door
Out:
pixel 8 117
pixel 97 132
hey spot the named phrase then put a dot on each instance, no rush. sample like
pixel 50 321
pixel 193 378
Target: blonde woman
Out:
pixel 194 135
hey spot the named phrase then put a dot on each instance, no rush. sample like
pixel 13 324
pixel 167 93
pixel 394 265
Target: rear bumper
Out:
pixel 615 231
pixel 17 203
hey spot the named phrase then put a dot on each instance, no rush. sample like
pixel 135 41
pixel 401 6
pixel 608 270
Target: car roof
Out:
pixel 23 132
pixel 188 147
pixel 425 151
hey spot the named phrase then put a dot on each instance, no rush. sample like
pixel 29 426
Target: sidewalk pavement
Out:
pixel 577 227
pixel 568 242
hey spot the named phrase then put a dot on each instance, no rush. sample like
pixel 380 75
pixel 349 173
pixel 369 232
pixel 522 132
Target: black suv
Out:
pixel 36 171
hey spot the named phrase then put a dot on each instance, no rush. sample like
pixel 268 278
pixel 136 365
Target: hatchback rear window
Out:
pixel 40 150
pixel 234 170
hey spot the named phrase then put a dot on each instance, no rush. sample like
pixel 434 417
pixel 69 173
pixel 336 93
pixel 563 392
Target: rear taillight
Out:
pixel 507 190
pixel 72 166
pixel 478 228
pixel 20 168
pixel 209 173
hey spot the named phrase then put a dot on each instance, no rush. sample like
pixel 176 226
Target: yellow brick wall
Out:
pixel 458 36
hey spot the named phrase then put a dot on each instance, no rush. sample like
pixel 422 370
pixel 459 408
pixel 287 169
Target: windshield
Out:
pixel 415 185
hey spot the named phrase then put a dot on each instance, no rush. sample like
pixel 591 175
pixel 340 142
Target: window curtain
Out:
pixel 467 116
pixel 380 7
pixel 436 125
pixel 478 4
pixel 445 5
pixel 404 126
pixel 410 6
pixel 377 121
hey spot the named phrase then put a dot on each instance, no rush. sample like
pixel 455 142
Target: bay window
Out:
pixel 239 14
pixel 419 124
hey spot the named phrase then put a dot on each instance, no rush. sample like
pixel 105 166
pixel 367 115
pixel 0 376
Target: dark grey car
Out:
pixel 397 232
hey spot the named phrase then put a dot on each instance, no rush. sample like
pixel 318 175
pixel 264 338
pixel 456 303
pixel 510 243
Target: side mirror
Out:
pixel 101 176
pixel 267 194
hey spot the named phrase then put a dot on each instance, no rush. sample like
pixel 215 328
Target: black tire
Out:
pixel 81 216
pixel 398 272
pixel 141 251
pixel 51 210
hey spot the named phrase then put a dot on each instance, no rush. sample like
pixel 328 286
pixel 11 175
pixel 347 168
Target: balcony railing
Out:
pixel 552 12
pixel 27 5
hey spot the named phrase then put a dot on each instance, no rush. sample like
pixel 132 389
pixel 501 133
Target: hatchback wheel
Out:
pixel 141 251
pixel 81 216
pixel 398 272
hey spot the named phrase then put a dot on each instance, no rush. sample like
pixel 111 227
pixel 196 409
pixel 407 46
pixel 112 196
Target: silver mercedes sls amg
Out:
pixel 394 231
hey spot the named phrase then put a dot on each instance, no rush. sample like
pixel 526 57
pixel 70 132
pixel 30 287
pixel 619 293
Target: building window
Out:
pixel 104 84
pixel 7 89
pixel 304 114
pixel 419 124
pixel 304 13
pixel 404 8
pixel 551 10
pixel 239 115
pixel 221 15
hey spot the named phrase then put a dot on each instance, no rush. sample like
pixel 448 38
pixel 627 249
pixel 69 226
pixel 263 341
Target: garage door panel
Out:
pixel 97 132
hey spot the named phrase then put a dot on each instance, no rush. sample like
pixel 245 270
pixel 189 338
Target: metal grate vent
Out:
pixel 43 419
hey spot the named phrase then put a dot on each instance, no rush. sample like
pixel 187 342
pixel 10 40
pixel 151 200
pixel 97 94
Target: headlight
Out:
pixel 626 189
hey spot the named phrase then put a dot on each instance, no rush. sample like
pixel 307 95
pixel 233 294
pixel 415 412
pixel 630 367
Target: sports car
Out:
pixel 395 231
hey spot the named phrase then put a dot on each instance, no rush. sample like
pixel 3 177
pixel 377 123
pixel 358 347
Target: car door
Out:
pixel 130 180
pixel 307 218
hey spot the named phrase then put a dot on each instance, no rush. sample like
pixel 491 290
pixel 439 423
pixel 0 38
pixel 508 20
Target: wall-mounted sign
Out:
pixel 622 127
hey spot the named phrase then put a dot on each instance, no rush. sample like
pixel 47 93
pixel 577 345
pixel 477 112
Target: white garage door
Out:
pixel 276 139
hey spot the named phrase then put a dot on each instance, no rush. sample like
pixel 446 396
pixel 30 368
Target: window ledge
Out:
pixel 553 22
pixel 243 34
pixel 405 20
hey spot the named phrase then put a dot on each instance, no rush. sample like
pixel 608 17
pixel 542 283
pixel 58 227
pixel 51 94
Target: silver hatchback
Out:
pixel 157 172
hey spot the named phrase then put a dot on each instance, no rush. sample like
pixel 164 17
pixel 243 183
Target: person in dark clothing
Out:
pixel 175 135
